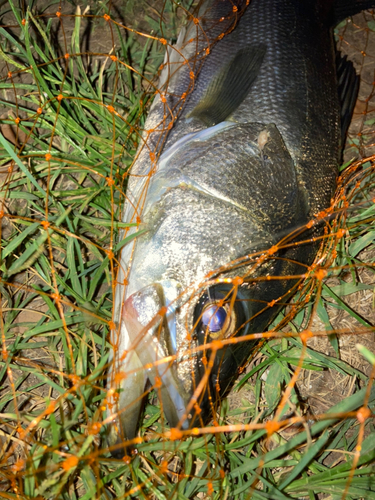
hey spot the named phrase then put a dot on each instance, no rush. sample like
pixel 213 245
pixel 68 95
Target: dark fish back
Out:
pixel 296 88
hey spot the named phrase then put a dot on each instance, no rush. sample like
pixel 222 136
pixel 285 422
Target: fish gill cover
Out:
pixel 76 86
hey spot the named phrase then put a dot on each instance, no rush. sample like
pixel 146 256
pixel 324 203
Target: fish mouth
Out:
pixel 154 342
pixel 149 334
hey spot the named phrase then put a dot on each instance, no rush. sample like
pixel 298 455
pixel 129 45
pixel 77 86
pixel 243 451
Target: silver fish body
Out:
pixel 252 154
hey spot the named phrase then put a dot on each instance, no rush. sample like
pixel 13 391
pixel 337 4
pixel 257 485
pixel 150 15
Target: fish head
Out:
pixel 189 299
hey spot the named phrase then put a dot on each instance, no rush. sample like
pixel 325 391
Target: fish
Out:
pixel 240 150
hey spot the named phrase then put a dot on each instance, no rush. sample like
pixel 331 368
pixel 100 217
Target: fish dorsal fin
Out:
pixel 229 87
pixel 348 85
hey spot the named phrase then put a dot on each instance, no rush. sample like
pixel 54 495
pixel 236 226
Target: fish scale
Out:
pixel 251 155
pixel 279 93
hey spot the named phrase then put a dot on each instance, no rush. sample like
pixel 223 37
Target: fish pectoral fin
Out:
pixel 348 86
pixel 229 87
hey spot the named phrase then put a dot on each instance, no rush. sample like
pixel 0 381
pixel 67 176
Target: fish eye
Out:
pixel 216 316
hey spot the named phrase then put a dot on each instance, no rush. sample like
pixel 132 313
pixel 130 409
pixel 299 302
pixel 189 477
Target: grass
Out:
pixel 69 135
